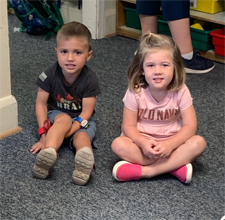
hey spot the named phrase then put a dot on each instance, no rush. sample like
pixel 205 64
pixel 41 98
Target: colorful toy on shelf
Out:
pixel 197 26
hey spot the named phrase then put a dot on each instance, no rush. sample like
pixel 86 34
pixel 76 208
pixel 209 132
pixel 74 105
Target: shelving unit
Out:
pixel 122 29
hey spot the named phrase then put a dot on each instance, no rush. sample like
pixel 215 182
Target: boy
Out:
pixel 65 104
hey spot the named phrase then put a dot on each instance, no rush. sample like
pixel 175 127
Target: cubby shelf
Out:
pixel 123 30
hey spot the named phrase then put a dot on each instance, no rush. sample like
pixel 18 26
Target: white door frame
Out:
pixel 93 17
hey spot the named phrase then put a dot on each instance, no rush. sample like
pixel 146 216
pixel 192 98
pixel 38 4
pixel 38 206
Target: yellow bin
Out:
pixel 209 6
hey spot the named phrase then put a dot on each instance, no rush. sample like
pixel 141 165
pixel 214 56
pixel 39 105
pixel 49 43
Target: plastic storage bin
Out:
pixel 132 18
pixel 218 37
pixel 163 27
pixel 209 6
pixel 201 39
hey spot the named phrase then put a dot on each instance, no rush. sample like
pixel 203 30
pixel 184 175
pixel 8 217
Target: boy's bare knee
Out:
pixel 80 137
pixel 63 119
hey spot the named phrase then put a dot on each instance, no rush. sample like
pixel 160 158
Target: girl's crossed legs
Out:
pixel 148 167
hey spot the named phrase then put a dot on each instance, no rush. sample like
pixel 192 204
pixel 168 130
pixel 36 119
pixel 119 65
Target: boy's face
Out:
pixel 72 54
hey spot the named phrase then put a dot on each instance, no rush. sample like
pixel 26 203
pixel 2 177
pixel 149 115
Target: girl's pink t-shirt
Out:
pixel 158 120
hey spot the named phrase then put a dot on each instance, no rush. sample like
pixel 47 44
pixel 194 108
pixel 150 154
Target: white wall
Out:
pixel 98 15
pixel 110 17
pixel 8 104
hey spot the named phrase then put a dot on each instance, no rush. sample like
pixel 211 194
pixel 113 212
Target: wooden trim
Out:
pixel 110 35
pixel 210 54
pixel 10 132
pixel 120 14
pixel 217 18
pixel 129 1
pixel 129 32
pixel 11 10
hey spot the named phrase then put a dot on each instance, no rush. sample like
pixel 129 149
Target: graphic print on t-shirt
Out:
pixel 68 102
pixel 157 114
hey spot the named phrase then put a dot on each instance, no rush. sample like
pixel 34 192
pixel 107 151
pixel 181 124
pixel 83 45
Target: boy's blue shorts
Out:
pixel 171 10
pixel 90 130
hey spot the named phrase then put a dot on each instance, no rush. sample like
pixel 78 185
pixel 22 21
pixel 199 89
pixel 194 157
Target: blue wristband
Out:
pixel 79 119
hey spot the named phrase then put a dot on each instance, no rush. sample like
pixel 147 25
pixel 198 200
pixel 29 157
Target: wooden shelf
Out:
pixel 218 18
pixel 129 1
pixel 129 32
pixel 210 54
pixel 123 30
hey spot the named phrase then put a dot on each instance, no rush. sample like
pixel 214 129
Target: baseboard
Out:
pixel 110 35
pixel 10 132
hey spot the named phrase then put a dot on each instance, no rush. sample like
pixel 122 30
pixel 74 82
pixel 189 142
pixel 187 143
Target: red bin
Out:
pixel 218 37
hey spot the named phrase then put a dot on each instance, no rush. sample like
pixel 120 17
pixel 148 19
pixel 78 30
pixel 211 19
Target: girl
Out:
pixel 159 120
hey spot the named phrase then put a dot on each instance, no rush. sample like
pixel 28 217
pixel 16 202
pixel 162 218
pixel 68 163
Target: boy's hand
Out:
pixel 75 126
pixel 39 145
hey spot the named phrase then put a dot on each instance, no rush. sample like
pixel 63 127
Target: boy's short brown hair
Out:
pixel 74 29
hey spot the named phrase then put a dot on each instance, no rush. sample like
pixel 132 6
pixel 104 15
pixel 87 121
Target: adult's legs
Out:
pixel 177 14
pixel 180 30
pixel 148 12
pixel 149 23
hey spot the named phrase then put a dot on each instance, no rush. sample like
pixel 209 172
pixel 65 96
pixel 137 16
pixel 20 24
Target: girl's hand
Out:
pixel 163 149
pixel 39 145
pixel 149 149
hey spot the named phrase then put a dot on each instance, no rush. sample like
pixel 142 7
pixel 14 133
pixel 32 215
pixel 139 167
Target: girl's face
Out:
pixel 72 55
pixel 158 70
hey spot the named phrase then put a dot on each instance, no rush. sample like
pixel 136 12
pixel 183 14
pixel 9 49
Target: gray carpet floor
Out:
pixel 159 198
